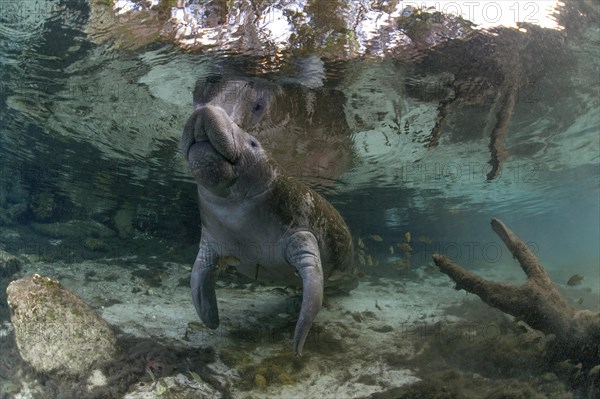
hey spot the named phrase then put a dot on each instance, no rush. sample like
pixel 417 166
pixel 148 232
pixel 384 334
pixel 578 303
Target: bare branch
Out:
pixel 529 263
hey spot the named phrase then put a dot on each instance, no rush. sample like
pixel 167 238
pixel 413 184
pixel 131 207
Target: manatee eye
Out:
pixel 253 143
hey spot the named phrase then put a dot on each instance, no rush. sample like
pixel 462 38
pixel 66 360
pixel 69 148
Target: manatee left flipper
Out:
pixel 202 283
pixel 302 252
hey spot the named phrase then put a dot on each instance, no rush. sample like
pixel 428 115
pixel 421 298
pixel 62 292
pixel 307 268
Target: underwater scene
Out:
pixel 300 199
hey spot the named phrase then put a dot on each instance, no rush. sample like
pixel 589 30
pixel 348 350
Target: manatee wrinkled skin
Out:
pixel 279 230
pixel 303 129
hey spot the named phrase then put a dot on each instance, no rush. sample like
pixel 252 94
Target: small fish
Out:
pixel 360 275
pixel 407 236
pixel 362 260
pixel 361 252
pixel 196 377
pixel 377 305
pixel 391 249
pixel 430 269
pixel 361 243
pixel 425 239
pixel 195 325
pixel 405 247
pixel 580 301
pixel 376 237
pixel 375 262
pixel 575 279
pixel 369 260
pixel 228 261
pixel 401 264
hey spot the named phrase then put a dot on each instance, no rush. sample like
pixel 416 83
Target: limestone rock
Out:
pixel 55 331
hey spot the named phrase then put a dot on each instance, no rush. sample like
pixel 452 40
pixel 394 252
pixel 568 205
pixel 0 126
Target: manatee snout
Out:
pixel 210 125
pixel 211 145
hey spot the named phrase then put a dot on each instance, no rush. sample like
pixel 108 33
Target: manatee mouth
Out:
pixel 211 125
pixel 210 168
pixel 201 154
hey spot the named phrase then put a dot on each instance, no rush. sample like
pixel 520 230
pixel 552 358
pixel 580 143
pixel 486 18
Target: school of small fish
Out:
pixel 404 247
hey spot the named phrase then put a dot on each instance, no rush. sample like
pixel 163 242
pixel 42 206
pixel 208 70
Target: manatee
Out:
pixel 303 129
pixel 280 231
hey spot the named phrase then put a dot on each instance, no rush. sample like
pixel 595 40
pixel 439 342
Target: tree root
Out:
pixel 537 302
pixel 440 122
pixel 498 151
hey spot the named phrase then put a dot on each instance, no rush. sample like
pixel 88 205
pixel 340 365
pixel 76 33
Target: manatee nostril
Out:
pixel 258 106
pixel 254 143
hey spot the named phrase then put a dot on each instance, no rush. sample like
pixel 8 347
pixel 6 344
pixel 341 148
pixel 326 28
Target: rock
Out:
pixel 9 264
pixel 13 200
pixel 72 229
pixel 178 387
pixel 12 214
pixel 260 381
pixel 55 331
pixel 28 389
pixel 124 222
pixel 9 388
pixel 43 205
pixel 94 244
pixel 10 236
pixel 382 329
pixel 96 379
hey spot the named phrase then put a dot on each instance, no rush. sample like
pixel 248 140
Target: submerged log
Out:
pixel 538 302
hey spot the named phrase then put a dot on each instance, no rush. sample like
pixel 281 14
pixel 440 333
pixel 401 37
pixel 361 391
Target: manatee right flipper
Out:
pixel 202 283
pixel 302 253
